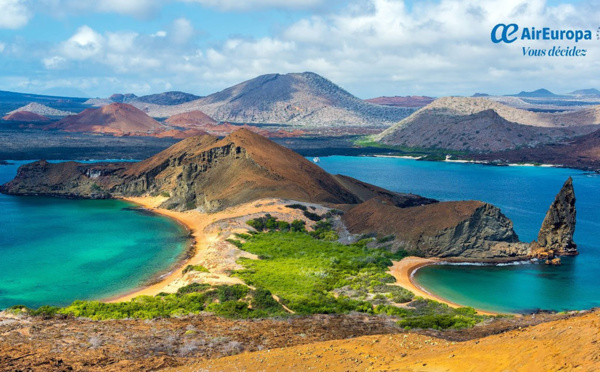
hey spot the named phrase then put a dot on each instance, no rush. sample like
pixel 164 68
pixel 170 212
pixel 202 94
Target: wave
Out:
pixel 513 263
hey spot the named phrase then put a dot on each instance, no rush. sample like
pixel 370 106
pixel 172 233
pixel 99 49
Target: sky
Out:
pixel 369 47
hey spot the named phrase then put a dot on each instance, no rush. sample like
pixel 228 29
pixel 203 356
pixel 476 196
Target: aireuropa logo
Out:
pixel 505 32
pixel 509 33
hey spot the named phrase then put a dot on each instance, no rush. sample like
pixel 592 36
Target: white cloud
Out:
pixel 86 43
pixel 237 5
pixel 2 46
pixel 371 47
pixel 54 62
pixel 14 14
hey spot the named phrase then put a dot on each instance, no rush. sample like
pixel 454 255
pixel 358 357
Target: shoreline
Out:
pixel 404 271
pixel 159 279
pixel 195 223
pixel 209 248
pixel 173 279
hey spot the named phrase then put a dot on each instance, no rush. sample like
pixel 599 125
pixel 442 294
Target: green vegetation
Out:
pixel 198 268
pixel 165 194
pixel 270 223
pixel 308 271
pixel 236 301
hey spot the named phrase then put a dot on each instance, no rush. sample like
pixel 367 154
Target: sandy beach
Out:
pixel 209 231
pixel 403 271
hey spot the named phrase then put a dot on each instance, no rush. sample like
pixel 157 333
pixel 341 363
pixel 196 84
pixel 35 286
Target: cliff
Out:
pixel 202 172
pixel 556 234
pixel 467 230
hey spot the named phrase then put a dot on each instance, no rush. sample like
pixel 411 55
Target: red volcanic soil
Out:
pixel 190 119
pixel 179 134
pixel 116 118
pixel 25 116
pixel 408 101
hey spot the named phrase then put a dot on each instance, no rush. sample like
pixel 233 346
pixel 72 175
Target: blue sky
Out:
pixel 369 47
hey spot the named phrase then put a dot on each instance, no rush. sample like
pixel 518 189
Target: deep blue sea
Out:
pixel 54 251
pixel 524 195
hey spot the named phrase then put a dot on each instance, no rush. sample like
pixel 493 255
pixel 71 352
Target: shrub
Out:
pixel 312 216
pixel 198 268
pixel 192 288
pixel 298 226
pixel 438 321
pixel 297 206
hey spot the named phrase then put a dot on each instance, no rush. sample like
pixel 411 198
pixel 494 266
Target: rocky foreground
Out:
pixel 334 342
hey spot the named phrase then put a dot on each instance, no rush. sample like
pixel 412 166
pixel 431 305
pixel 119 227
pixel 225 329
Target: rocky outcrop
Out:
pixel 201 172
pixel 467 230
pixel 556 234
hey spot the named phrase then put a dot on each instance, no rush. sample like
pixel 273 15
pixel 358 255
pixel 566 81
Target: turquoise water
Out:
pixel 54 251
pixel 524 195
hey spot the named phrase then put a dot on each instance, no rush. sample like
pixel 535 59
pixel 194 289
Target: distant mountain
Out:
pixel 190 119
pixel 540 93
pixel 483 125
pixel 163 99
pixel 168 98
pixel 116 118
pixel 25 116
pixel 586 92
pixel 298 98
pixel 43 110
pixel 480 95
pixel 408 101
pixel 13 101
pixel 122 98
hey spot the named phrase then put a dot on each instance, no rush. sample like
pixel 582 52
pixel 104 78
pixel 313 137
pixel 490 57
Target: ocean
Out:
pixel 54 251
pixel 524 194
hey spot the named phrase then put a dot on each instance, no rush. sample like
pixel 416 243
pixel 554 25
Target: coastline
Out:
pixel 404 271
pixel 204 244
pixel 169 282
pixel 208 232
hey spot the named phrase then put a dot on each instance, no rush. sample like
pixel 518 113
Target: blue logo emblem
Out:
pixel 503 33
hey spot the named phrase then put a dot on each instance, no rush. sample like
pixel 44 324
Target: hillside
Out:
pixel 25 116
pixel 586 92
pixel 190 119
pixel 540 93
pixel 469 229
pixel 38 108
pixel 582 152
pixel 116 118
pixel 566 344
pixel 483 125
pixel 165 99
pixel 204 172
pixel 297 98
